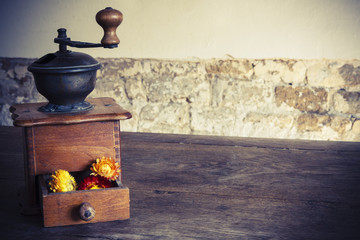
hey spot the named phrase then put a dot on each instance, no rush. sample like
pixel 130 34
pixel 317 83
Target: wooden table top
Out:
pixel 202 187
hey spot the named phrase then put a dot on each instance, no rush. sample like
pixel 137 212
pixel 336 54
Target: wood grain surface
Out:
pixel 204 187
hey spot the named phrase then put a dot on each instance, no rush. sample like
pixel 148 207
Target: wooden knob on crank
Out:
pixel 109 19
pixel 86 211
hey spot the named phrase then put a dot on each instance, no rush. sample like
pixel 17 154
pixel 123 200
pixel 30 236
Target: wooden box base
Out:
pixel 71 141
pixel 60 209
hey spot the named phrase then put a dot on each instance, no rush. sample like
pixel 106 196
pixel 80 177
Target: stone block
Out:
pixel 164 118
pixel 277 120
pixel 240 69
pixel 21 71
pixel 178 82
pixel 179 89
pixel 347 102
pixel 130 67
pixel 350 74
pixel 17 84
pixel 305 99
pixel 317 123
pixel 354 133
pixel 262 125
pixel 279 71
pixel 110 87
pixel 213 121
pixel 134 107
pixel 324 74
pixel 232 92
pixel 5 115
pixel 135 89
pixel 171 68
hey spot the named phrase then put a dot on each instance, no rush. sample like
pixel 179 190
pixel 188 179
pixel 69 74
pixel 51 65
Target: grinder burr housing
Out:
pixel 66 78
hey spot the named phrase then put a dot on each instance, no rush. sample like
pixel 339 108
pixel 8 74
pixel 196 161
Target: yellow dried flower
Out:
pixel 62 181
pixel 106 167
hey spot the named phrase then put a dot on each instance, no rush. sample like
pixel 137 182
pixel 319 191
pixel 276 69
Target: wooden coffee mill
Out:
pixel 70 133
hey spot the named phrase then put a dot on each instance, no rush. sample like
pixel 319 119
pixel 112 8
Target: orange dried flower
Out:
pixel 106 167
pixel 94 182
pixel 62 181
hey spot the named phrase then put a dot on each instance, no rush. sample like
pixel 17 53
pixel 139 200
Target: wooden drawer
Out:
pixel 60 209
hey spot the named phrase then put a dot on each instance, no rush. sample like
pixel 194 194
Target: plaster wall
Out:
pixel 189 28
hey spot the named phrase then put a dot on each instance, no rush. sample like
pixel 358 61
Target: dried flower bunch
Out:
pixel 94 182
pixel 104 171
pixel 106 167
pixel 62 181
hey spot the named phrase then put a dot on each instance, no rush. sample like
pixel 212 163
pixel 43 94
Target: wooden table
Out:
pixel 201 187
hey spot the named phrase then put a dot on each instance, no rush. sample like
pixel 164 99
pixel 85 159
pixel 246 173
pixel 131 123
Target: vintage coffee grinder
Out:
pixel 69 132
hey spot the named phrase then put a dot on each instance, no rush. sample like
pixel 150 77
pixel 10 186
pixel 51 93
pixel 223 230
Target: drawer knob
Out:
pixel 86 212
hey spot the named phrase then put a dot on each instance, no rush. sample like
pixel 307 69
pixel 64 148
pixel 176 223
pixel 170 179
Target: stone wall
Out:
pixel 271 98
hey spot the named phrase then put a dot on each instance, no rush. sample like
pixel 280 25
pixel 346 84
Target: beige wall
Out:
pixel 189 28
